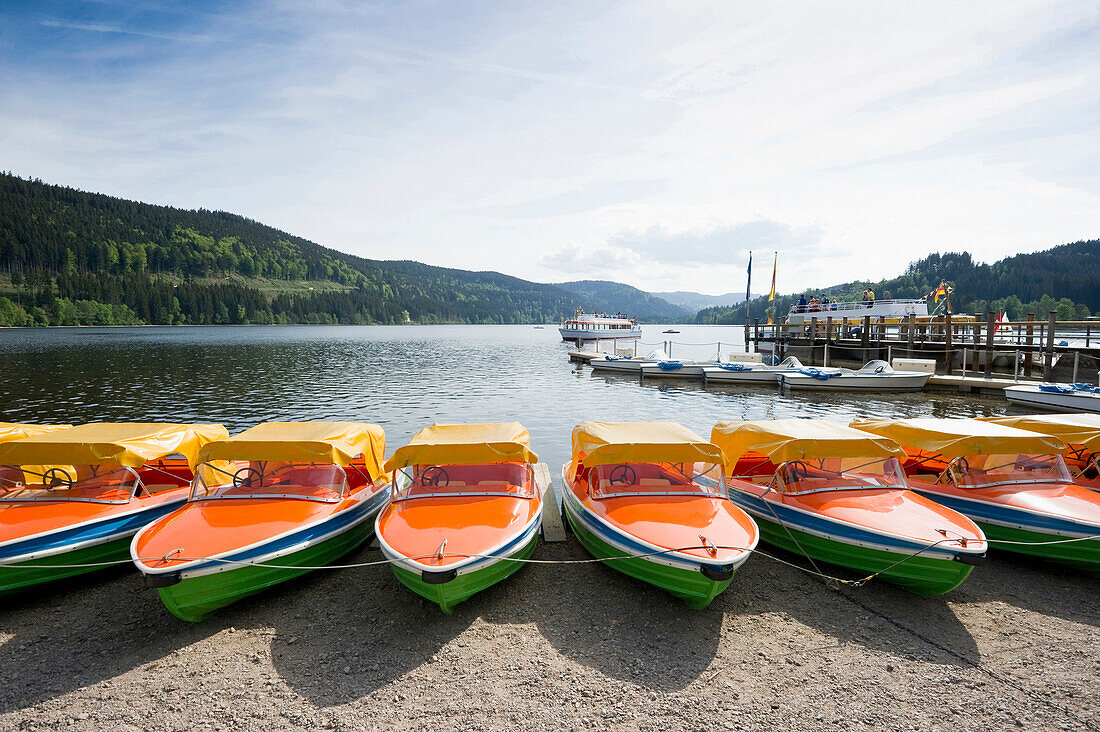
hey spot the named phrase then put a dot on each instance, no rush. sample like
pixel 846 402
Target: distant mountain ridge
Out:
pixel 695 301
pixel 628 300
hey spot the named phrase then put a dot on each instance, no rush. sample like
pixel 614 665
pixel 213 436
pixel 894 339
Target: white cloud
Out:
pixel 644 142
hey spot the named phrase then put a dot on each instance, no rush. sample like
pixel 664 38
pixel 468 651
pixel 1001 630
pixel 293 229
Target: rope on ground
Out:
pixel 816 571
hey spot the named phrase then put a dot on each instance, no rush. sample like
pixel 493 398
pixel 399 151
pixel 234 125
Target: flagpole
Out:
pixel 748 289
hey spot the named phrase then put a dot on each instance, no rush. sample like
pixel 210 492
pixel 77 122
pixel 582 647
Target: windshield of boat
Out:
pixel 322 482
pixel 984 471
pixel 648 479
pixel 88 483
pixel 798 477
pixel 513 480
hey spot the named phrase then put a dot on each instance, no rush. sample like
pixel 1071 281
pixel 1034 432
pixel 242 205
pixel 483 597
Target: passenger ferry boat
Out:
pixel 598 326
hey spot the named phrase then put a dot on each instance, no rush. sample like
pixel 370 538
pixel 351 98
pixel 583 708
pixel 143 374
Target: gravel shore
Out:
pixel 561 647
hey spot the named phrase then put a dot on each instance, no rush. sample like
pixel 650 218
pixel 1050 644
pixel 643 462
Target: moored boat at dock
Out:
pixel 838 495
pixel 465 509
pixel 267 505
pixel 650 498
pixel 872 376
pixel 1056 397
pixel 74 497
pixel 750 373
pixel 1011 482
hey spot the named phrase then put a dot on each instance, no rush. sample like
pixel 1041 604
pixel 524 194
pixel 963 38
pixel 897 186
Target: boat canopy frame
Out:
pixel 68 482
pixel 341 494
pixel 698 479
pixel 780 485
pixel 396 490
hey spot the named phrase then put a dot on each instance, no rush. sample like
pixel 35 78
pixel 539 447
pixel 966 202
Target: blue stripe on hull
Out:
pixel 100 531
pixel 331 525
pixel 758 508
pixel 1008 516
pixel 628 543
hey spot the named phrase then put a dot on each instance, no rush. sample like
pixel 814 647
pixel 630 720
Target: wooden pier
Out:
pixel 1025 350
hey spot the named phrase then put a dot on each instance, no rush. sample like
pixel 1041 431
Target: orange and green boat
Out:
pixel 837 495
pixel 465 509
pixel 1079 431
pixel 268 505
pixel 650 498
pixel 73 497
pixel 1011 482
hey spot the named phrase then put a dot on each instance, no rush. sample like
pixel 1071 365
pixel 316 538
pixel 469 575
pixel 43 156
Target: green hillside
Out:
pixel 68 257
pixel 1065 279
pixel 627 299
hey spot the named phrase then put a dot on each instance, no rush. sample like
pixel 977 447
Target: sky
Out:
pixel 652 143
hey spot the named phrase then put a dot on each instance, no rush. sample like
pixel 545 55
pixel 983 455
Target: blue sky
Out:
pixel 653 143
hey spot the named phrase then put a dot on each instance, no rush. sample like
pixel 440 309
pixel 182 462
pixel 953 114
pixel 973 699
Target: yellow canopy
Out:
pixel 13 431
pixel 465 444
pixel 613 443
pixel 331 443
pixel 123 443
pixel 796 439
pixel 1074 429
pixel 961 437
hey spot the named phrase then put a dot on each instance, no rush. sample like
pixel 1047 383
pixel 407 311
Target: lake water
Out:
pixel 402 377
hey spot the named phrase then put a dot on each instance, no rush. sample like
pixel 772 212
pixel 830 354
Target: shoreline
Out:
pixel 561 647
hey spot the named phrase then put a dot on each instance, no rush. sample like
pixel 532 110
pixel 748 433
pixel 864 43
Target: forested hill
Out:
pixel 629 300
pixel 1065 278
pixel 71 257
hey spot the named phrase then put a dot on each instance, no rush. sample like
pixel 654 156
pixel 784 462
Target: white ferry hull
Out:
pixel 585 334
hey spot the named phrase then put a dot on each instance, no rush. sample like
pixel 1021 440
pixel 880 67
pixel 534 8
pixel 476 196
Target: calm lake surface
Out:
pixel 402 377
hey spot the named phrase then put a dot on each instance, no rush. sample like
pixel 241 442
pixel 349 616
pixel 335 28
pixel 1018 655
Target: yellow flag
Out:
pixel 772 295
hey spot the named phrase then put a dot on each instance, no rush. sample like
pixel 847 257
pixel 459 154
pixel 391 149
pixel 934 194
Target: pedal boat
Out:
pixel 267 505
pixel 874 375
pixel 1079 432
pixel 72 498
pixel 837 495
pixel 750 373
pixel 465 509
pixel 650 497
pixel 1012 483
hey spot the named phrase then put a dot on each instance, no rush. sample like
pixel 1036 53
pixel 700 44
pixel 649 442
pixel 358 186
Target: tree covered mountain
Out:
pixel 1065 279
pixel 694 301
pixel 68 257
pixel 628 300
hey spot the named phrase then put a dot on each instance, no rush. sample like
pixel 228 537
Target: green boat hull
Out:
pixel 24 575
pixel 195 598
pixel 464 586
pixel 691 586
pixel 1083 555
pixel 921 575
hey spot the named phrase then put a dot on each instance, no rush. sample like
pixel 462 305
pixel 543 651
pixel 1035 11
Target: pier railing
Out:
pixel 947 338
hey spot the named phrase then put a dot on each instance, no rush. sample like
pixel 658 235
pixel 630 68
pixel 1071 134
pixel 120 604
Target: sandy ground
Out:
pixel 561 647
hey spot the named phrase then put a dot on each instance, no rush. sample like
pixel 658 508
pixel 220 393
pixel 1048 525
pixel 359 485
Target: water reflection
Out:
pixel 400 377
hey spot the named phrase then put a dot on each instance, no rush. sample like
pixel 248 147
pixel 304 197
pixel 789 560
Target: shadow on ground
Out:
pixel 82 631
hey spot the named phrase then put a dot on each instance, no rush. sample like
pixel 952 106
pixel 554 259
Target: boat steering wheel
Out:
pixel 435 477
pixel 622 475
pixel 243 478
pixel 57 478
pixel 798 470
pixel 959 466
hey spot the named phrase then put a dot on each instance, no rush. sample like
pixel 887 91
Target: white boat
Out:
pixel 590 327
pixel 873 376
pixel 1056 397
pixel 627 364
pixel 674 369
pixel 750 373
pixel 889 310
